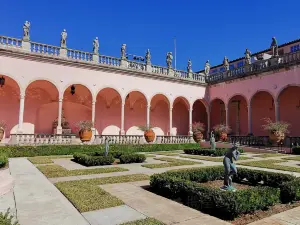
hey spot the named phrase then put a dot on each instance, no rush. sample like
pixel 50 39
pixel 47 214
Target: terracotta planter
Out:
pixel 276 137
pixel 149 135
pixel 223 136
pixel 85 135
pixel 197 136
pixel 1 134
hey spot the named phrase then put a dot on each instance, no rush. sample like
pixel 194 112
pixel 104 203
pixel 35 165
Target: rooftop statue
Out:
pixel 26 31
pixel 63 39
pixel 230 167
pixel 169 59
pixel 226 63
pixel 247 57
pixel 96 46
pixel 148 57
pixel 189 66
pixel 123 51
pixel 274 47
pixel 207 68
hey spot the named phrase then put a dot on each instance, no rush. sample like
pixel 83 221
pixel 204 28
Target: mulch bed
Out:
pixel 220 183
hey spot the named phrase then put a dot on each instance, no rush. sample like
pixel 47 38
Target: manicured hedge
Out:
pixel 296 150
pixel 209 152
pixel 44 150
pixel 186 185
pixel 88 160
pixel 3 160
pixel 132 158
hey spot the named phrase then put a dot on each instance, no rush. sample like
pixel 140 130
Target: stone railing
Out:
pixel 119 139
pixel 41 139
pixel 259 66
pixel 87 57
pixel 180 139
pixel 249 140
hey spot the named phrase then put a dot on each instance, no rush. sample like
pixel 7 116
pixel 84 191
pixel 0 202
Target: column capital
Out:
pixel 93 102
pixel 276 102
pixel 171 108
pixel 60 100
pixel 148 105
pixel 22 96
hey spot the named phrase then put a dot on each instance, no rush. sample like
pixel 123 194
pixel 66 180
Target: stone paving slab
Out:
pixel 38 202
pixel 8 201
pixel 113 216
pixel 154 206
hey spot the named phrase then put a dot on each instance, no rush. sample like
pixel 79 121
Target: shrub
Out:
pixel 3 160
pixel 132 158
pixel 7 219
pixel 296 150
pixel 273 127
pixel 44 150
pixel 209 152
pixel 186 185
pixel 88 160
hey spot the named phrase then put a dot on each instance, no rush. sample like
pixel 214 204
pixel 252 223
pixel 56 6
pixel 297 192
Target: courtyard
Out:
pixel 65 189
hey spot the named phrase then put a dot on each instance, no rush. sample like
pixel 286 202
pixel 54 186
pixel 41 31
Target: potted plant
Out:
pixel 85 130
pixel 148 133
pixel 198 129
pixel 2 129
pixel 277 130
pixel 221 131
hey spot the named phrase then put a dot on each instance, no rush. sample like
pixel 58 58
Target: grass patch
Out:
pixel 148 221
pixel 169 153
pixel 209 158
pixel 51 171
pixel 170 163
pixel 268 155
pixel 296 158
pixel 271 164
pixel 86 195
pixel 46 159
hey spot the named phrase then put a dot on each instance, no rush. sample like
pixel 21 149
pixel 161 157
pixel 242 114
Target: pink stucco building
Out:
pixel 42 84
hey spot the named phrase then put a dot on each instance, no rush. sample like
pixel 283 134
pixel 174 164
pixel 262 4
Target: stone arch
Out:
pixel 261 90
pixel 289 108
pixel 180 118
pixel 77 107
pixel 137 90
pixel 43 79
pixel 217 112
pixel 200 113
pixel 238 114
pixel 238 94
pixel 135 110
pixel 284 88
pixel 41 106
pixel 65 87
pixel 159 112
pixel 160 93
pixel 108 111
pixel 9 103
pixel 110 87
pixel 262 106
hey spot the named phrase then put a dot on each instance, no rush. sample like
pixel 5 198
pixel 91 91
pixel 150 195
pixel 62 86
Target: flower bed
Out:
pixel 209 152
pixel 267 189
pixel 44 150
pixel 98 158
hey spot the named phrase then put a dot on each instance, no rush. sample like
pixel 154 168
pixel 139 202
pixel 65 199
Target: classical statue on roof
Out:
pixel 26 31
pixel 96 46
pixel 247 57
pixel 189 66
pixel 123 51
pixel 207 68
pixel 274 47
pixel 226 63
pixel 148 57
pixel 63 39
pixel 169 59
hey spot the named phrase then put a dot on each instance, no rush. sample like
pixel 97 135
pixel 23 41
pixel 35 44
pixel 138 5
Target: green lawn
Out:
pixel 148 221
pixel 210 158
pixel 271 164
pixel 86 195
pixel 51 171
pixel 268 155
pixel 170 163
pixel 46 159
pixel 296 158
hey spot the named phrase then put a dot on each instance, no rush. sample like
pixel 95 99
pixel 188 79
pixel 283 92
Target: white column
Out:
pixel 122 132
pixel 171 118
pixel 277 116
pixel 227 115
pixel 208 122
pixel 148 115
pixel 190 121
pixel 59 128
pixel 249 118
pixel 93 112
pixel 21 113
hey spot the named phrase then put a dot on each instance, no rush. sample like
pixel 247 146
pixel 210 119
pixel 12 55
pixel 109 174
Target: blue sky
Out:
pixel 203 29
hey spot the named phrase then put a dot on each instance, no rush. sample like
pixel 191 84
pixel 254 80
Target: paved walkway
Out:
pixel 38 202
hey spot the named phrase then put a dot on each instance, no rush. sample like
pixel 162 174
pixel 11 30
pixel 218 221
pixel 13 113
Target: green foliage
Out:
pixel 132 158
pixel 88 160
pixel 209 152
pixel 3 160
pixel 7 219
pixel 296 150
pixel 44 150
pixel 266 190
